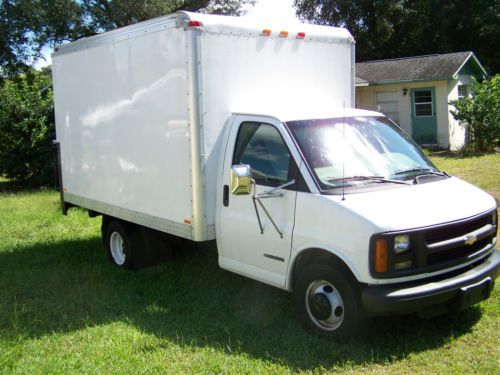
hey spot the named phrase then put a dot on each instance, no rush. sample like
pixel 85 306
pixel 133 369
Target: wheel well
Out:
pixel 320 256
pixel 106 220
pixel 104 225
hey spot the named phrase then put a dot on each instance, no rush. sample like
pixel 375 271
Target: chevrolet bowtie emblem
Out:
pixel 470 239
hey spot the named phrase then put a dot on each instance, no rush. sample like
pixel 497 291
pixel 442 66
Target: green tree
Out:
pixel 435 26
pixel 480 114
pixel 26 26
pixel 387 29
pixel 26 128
pixel 374 24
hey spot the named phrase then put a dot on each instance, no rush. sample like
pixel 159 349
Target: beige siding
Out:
pixel 366 99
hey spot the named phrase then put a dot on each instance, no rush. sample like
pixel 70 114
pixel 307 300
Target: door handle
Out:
pixel 225 195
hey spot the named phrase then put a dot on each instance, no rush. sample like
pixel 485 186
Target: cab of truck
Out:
pixel 346 211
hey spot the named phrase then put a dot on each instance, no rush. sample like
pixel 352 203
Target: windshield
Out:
pixel 358 151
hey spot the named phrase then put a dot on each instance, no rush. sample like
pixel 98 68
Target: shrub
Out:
pixel 480 114
pixel 27 129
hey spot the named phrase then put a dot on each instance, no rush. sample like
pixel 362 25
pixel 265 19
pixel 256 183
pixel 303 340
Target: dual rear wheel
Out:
pixel 131 246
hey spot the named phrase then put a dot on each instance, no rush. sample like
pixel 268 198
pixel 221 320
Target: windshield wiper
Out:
pixel 420 169
pixel 369 178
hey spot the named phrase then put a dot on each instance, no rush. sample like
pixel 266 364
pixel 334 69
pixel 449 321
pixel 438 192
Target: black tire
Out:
pixel 156 247
pixel 120 241
pixel 325 301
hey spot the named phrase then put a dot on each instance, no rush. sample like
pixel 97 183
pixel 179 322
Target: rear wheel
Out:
pixel 118 240
pixel 326 302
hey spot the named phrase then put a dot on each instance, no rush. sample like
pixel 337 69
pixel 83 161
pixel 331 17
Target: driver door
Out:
pixel 260 143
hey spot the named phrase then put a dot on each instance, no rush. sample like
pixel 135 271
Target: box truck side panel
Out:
pixel 122 122
pixel 260 75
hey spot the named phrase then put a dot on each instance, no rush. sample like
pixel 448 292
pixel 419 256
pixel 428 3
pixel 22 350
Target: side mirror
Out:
pixel 241 179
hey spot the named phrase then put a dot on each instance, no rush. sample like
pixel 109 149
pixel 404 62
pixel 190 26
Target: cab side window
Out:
pixel 262 147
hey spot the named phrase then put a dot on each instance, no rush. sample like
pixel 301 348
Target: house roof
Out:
pixel 419 68
pixel 361 82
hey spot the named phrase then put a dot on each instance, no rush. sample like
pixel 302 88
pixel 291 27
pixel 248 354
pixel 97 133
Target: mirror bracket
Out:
pixel 267 194
pixel 242 183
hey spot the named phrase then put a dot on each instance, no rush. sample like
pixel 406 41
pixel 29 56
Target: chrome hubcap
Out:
pixel 324 305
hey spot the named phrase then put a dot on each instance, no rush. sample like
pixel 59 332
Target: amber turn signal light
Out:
pixel 381 256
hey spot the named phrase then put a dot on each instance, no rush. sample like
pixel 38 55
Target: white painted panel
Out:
pixel 121 115
pixel 267 76
pixel 122 103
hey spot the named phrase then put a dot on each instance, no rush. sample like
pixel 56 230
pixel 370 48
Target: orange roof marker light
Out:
pixel 266 32
pixel 301 35
pixel 195 24
pixel 283 34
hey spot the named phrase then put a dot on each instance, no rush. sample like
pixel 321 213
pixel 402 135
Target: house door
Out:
pixel 423 116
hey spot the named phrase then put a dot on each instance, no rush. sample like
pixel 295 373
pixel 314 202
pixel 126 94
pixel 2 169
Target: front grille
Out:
pixel 447 243
pixel 457 252
pixel 455 230
pixel 439 247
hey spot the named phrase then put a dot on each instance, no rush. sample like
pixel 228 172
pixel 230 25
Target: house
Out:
pixel 415 93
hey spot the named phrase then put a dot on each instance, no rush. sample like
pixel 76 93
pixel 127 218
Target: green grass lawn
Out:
pixel 64 308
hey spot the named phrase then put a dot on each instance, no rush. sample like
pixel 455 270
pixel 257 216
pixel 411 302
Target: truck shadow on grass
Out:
pixel 68 286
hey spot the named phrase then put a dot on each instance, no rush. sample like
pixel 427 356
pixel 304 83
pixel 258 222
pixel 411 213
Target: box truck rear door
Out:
pixel 258 251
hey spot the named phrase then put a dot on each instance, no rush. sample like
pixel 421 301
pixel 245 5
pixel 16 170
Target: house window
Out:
pixel 462 91
pixel 387 103
pixel 423 103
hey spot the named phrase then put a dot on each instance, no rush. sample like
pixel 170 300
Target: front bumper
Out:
pixel 451 293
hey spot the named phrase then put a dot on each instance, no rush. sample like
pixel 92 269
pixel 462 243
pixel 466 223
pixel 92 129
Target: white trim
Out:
pixel 353 75
pixel 212 24
pixel 110 37
pixel 431 103
pixel 196 135
pixel 150 221
pixel 471 54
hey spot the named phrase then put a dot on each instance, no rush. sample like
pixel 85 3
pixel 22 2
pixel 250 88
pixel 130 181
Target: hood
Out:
pixel 416 206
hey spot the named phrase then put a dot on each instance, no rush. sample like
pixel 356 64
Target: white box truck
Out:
pixel 209 127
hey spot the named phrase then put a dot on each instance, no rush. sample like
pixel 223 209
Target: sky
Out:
pixel 282 9
pixel 263 9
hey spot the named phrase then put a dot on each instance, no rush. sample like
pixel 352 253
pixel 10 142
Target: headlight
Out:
pixel 401 243
pixel 393 254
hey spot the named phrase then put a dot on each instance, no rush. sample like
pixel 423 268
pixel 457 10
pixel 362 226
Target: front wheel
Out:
pixel 325 301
